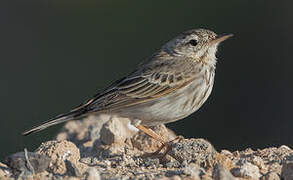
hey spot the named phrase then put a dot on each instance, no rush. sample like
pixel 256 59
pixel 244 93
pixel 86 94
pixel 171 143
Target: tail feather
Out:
pixel 57 120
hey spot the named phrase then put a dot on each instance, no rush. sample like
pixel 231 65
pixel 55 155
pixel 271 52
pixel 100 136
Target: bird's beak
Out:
pixel 220 38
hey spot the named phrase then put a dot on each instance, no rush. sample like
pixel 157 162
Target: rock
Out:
pixel 270 176
pixel 246 170
pixel 116 130
pixel 284 148
pixel 45 175
pixel 197 151
pixel 73 178
pixel 85 134
pixel 86 130
pixel 220 173
pixel 287 170
pixel 33 163
pixel 71 169
pixel 145 143
pixel 274 155
pixel 104 147
pixel 256 160
pixel 192 170
pixel 92 174
pixel 150 162
pixel 224 161
pixel 176 177
pixel 226 153
pixel 59 151
pixel 267 160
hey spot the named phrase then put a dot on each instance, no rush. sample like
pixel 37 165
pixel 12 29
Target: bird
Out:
pixel 168 86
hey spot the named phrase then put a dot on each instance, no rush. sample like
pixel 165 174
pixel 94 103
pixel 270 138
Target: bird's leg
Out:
pixel 151 133
pixel 169 145
pixel 154 135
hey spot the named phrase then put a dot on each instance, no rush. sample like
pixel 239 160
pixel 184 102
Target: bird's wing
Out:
pixel 128 91
pixel 139 87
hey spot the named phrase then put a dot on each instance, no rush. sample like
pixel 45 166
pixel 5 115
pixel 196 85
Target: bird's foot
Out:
pixel 168 146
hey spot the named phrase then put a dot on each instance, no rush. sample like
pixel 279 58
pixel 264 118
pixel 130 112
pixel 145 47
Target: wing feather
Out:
pixel 143 85
pixel 121 97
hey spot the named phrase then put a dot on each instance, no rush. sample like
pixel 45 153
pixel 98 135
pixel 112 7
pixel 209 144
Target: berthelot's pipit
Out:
pixel 168 86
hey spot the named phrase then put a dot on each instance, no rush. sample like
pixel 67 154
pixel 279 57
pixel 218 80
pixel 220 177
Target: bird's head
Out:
pixel 196 44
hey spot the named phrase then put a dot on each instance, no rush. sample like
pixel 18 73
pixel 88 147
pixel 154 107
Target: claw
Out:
pixel 168 145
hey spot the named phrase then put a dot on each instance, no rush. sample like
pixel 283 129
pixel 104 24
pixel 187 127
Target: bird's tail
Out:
pixel 56 120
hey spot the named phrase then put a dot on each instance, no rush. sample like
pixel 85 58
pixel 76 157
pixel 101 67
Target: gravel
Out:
pixel 103 147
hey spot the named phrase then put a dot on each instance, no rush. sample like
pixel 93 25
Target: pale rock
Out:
pixel 193 170
pixel 221 173
pixel 226 152
pixel 116 130
pixel 246 170
pixel 92 174
pixel 270 176
pixel 59 151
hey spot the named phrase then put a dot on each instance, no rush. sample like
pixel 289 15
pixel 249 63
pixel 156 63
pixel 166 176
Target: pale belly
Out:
pixel 172 107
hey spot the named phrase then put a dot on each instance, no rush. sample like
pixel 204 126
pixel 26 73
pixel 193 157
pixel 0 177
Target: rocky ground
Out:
pixel 104 148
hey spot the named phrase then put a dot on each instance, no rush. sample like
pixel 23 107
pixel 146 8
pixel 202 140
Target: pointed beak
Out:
pixel 220 38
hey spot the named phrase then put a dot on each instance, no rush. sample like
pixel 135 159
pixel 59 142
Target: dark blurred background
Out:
pixel 55 54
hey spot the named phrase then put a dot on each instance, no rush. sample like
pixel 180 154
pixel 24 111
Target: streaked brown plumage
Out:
pixel 168 86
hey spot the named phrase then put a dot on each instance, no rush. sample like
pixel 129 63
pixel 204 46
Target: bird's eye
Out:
pixel 193 42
